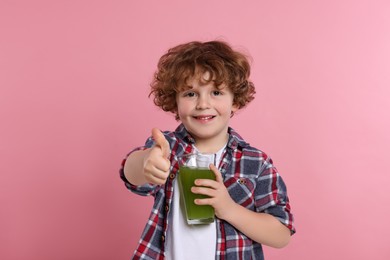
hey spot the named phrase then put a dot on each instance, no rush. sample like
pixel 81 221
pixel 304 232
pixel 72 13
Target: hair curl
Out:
pixel 184 61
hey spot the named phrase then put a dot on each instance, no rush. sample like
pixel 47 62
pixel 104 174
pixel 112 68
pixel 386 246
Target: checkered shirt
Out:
pixel 251 180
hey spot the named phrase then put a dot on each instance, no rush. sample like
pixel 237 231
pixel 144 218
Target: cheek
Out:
pixel 183 108
pixel 227 108
pixel 184 104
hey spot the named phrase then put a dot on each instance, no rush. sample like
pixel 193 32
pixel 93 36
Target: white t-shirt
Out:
pixel 187 242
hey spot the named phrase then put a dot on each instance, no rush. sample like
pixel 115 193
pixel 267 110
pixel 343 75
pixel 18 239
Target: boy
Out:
pixel 204 84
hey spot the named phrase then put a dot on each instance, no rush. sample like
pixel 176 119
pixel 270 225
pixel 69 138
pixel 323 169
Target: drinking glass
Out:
pixel 195 166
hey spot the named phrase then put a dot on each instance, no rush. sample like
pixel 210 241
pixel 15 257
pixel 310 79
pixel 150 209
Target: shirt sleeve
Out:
pixel 146 189
pixel 271 195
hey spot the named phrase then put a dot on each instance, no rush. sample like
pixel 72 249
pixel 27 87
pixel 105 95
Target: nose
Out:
pixel 203 102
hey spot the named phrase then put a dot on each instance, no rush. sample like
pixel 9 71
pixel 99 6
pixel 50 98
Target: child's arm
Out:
pixel 150 165
pixel 260 227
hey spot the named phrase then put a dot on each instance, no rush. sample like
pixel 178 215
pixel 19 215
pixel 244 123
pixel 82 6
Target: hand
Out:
pixel 219 199
pixel 156 163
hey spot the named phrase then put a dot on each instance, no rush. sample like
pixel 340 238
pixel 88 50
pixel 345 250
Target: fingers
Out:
pixel 203 201
pixel 218 175
pixel 155 174
pixel 156 163
pixel 156 167
pixel 158 177
pixel 161 142
pixel 208 191
pixel 211 183
pixel 209 187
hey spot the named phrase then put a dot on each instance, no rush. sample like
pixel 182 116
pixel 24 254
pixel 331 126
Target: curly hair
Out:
pixel 184 61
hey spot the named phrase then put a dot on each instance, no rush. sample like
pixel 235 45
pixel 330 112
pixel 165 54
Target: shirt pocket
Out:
pixel 241 190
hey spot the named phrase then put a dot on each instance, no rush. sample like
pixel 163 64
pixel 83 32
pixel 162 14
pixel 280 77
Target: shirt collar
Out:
pixel 235 140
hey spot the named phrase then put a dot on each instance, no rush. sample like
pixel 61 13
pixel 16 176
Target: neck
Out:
pixel 211 146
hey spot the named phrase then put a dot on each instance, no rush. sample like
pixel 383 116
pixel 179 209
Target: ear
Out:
pixel 235 107
pixel 234 110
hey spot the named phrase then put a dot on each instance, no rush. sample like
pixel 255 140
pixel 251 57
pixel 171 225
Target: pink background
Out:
pixel 74 81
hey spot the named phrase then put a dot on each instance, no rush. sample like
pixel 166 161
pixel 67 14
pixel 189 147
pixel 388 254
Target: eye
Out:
pixel 189 94
pixel 217 93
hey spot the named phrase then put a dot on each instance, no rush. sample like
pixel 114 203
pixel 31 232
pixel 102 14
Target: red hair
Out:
pixel 184 61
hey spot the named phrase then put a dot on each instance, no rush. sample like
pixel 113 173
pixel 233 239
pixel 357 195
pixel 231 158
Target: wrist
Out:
pixel 231 212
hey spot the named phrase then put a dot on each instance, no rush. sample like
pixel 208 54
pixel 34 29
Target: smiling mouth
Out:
pixel 204 117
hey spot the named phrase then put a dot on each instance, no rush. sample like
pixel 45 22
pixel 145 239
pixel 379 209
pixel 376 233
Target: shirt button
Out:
pixel 166 208
pixel 163 238
pixel 241 181
pixel 172 176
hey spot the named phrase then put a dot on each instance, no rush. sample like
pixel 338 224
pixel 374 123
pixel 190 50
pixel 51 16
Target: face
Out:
pixel 205 111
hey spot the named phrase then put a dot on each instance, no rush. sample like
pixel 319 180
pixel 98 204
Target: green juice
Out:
pixel 196 214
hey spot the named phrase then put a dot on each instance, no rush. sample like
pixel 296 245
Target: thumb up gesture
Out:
pixel 156 163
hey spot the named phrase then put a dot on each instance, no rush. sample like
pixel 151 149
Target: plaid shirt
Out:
pixel 251 179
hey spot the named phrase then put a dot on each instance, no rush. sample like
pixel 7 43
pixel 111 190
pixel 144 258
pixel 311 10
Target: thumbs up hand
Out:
pixel 156 163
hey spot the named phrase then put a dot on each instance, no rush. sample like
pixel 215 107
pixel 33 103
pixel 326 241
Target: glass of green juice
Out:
pixel 195 166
